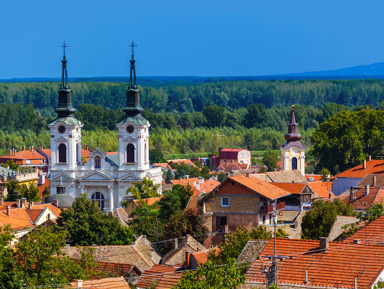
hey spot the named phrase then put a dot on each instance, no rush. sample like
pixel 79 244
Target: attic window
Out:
pixel 233 183
pixel 225 202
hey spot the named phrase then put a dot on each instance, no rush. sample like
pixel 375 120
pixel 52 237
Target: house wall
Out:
pixel 44 217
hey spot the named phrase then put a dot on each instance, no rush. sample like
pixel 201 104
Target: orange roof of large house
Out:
pixel 323 189
pixel 372 167
pixel 43 186
pixel 182 161
pixel 362 201
pixel 106 283
pixel 372 233
pixel 184 182
pixel 148 201
pixel 209 185
pixel 260 187
pixel 192 204
pixel 154 273
pixel 340 262
pixel 313 178
pixel 163 165
pixel 25 155
pixel 293 188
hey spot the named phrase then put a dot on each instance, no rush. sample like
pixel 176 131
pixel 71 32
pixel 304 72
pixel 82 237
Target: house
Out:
pixel 300 198
pixel 141 253
pixel 196 259
pixel 154 274
pixel 106 283
pixel 364 198
pixel 24 217
pixel 338 227
pixel 198 184
pixel 232 156
pixel 353 176
pixel 240 201
pixel 318 264
pixel 23 178
pixel 176 257
pixel 282 177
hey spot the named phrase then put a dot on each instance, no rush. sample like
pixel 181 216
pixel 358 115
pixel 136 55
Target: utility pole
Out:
pixel 272 270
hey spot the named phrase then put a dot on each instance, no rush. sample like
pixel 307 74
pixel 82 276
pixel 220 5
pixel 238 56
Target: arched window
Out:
pixel 97 162
pixel 130 153
pixel 78 160
pixel 98 197
pixel 145 153
pixel 294 163
pixel 62 153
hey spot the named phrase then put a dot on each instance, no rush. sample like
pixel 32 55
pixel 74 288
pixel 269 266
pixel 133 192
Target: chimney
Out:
pixel 324 243
pixel 41 147
pixel 194 183
pixel 8 210
pixel 1 201
pixel 19 203
pixel 10 152
pixel 30 205
pixel 369 158
pixel 176 244
pixel 86 147
pixel 187 177
pixel 248 175
pixel 364 164
pixel 374 181
pixel 55 203
pixel 306 277
pixel 23 202
pixel 78 284
pixel 201 180
pixel 23 148
pixel 356 241
pixel 355 284
pixel 198 187
pixel 187 260
pixel 14 152
pixel 366 190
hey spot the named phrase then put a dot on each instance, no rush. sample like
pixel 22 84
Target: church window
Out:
pixel 294 163
pixel 97 162
pixel 62 153
pixel 98 197
pixel 60 190
pixel 145 153
pixel 130 153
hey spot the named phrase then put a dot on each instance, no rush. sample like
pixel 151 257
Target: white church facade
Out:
pixel 105 178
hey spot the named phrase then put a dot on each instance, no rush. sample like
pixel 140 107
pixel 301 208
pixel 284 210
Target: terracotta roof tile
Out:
pixel 107 283
pixel 148 201
pixel 184 182
pixel 192 204
pixel 182 161
pixel 209 185
pixel 43 186
pixel 168 281
pixel 372 167
pixel 25 155
pixel 361 201
pixel 34 214
pixel 286 177
pixel 18 219
pixel 265 189
pixel 323 189
pixel 52 207
pixel 293 188
pixel 341 262
pixel 154 273
pixel 163 165
pixel 372 233
pixel 371 180
pixel 313 178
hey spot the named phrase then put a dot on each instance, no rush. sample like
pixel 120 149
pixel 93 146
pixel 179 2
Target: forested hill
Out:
pixel 190 98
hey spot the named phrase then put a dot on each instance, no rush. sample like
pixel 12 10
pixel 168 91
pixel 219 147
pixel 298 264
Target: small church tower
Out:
pixel 293 152
pixel 133 128
pixel 65 130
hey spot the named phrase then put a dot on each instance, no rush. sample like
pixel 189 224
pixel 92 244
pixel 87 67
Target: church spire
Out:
pixel 133 93
pixel 65 93
pixel 293 134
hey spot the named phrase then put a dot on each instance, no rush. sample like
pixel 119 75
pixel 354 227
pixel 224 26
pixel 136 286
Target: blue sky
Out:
pixel 188 38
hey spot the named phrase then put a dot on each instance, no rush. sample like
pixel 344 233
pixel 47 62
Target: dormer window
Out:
pixel 97 162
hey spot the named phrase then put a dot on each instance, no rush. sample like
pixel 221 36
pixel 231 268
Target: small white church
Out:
pixel 104 178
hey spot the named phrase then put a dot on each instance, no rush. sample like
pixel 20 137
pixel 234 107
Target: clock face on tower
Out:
pixel 61 129
pixel 130 129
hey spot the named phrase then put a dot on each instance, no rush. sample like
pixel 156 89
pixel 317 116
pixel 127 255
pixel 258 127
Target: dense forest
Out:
pixel 191 118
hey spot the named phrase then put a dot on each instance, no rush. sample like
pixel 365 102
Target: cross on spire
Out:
pixel 133 45
pixel 64 46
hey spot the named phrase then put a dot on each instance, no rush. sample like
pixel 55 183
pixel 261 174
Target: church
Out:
pixel 105 178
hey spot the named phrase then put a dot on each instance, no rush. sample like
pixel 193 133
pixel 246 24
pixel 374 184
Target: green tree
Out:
pixel 375 211
pixel 210 275
pixel 319 220
pixel 270 160
pixel 156 156
pixel 87 224
pixel 30 192
pixel 144 189
pixel 215 115
pixel 11 165
pixel 13 190
pixel 261 233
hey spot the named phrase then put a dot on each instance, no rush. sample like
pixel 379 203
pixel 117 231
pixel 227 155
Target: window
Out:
pixel 97 162
pixel 130 153
pixel 246 154
pixel 48 217
pixel 294 163
pixel 98 197
pixel 221 221
pixel 241 155
pixel 145 153
pixel 224 202
pixel 62 153
pixel 78 159
pixel 60 190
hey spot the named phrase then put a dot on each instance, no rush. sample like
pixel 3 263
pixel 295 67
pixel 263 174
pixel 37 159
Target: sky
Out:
pixel 188 38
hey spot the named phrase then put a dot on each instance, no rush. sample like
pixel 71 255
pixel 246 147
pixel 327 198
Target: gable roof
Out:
pixel 338 226
pixel 231 153
pixel 341 262
pixel 168 281
pixel 286 177
pixel 372 167
pixel 24 155
pixel 372 233
pixel 154 273
pixel 252 250
pixel 184 181
pixel 322 189
pixel 122 216
pixel 258 186
pixel 361 201
pixel 293 188
pixel 373 180
pixel 106 283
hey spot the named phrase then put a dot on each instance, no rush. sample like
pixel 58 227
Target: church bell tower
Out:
pixel 293 151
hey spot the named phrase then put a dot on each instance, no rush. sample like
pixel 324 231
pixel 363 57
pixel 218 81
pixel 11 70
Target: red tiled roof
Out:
pixel 148 201
pixel 227 167
pixel 111 153
pixel 184 182
pixel 106 283
pixel 154 273
pixel 289 187
pixel 52 207
pixel 314 178
pixel 260 187
pixel 181 161
pixel 372 167
pixel 321 188
pixel 117 268
pixel 18 219
pixel 34 214
pixel 372 233
pixel 192 204
pixel 361 201
pixel 209 185
pixel 340 262
pixel 202 257
pixel 230 153
pixel 43 186
pixel 168 281
pixel 163 165
pixel 25 155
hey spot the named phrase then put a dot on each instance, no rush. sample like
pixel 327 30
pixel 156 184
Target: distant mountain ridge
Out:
pixel 375 70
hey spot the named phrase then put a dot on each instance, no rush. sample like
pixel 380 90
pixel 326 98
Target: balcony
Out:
pixel 265 210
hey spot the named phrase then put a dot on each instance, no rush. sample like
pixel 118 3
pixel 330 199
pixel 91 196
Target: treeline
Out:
pixel 191 98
